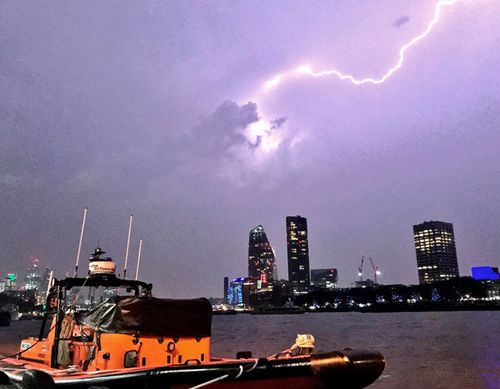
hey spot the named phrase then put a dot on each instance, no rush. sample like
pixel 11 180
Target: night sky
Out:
pixel 160 109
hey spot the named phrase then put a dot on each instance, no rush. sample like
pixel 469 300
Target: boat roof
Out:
pixel 150 316
pixel 104 280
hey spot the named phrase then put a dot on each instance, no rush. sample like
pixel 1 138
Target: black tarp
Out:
pixel 150 316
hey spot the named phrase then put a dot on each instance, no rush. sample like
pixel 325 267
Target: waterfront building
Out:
pixel 298 253
pixel 238 292
pixel 485 273
pixel 261 258
pixel 436 251
pixel 324 278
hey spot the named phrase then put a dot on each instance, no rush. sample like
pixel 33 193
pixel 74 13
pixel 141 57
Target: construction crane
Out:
pixel 360 269
pixel 376 272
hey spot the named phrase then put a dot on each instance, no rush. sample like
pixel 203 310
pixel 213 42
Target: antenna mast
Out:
pixel 138 260
pixel 128 246
pixel 80 243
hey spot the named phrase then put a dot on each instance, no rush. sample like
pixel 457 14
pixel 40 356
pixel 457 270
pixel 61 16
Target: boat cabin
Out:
pixel 102 322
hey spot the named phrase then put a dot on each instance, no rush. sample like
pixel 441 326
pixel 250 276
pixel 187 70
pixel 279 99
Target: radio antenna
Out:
pixel 138 260
pixel 81 239
pixel 128 246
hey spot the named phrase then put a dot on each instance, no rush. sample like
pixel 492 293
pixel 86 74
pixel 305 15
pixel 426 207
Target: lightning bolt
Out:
pixel 269 140
pixel 307 70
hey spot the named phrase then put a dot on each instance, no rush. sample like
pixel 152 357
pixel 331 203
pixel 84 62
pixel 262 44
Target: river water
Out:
pixel 430 350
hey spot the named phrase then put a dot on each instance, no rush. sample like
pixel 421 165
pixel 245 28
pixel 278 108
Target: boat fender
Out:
pixel 37 379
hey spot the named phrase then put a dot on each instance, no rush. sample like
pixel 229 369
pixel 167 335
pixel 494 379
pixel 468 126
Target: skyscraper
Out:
pixel 261 259
pixel 436 252
pixel 298 253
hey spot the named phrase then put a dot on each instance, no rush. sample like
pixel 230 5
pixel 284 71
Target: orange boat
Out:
pixel 103 331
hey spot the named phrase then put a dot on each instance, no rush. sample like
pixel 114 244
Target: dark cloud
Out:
pixel 401 20
pixel 215 134
pixel 277 123
pixel 235 141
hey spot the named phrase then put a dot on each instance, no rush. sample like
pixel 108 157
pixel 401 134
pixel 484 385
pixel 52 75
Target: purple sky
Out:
pixel 151 108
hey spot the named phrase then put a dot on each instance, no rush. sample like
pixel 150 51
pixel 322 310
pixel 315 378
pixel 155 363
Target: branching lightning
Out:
pixel 261 132
pixel 307 69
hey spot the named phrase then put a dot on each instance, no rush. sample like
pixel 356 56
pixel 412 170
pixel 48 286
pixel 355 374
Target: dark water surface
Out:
pixel 423 350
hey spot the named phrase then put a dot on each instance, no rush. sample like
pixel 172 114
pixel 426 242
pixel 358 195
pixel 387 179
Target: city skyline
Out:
pixel 261 258
pixel 159 111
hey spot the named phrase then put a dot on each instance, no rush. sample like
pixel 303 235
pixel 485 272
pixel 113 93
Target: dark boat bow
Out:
pixel 348 369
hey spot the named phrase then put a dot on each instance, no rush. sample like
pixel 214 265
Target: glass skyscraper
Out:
pixel 261 259
pixel 298 253
pixel 436 251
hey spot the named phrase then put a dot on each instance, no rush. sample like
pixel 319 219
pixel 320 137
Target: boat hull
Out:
pixel 347 369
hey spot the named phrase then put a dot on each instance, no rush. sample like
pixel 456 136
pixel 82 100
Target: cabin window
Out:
pixel 169 359
pixel 179 359
pixel 143 361
pixel 202 357
pixel 130 359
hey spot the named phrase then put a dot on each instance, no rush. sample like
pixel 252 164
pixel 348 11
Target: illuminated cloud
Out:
pixel 237 143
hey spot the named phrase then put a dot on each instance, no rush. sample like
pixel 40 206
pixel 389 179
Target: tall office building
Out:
pixel 436 251
pixel 261 259
pixel 298 253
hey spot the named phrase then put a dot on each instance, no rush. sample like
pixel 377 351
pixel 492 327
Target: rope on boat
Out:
pixel 222 377
pixel 210 382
